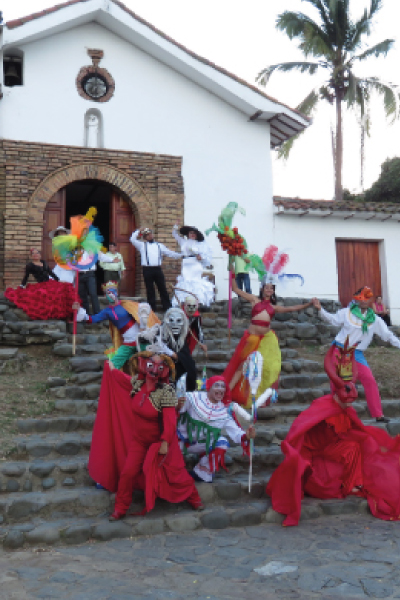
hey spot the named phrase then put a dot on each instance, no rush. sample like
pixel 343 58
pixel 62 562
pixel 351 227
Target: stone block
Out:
pixel 183 523
pixel 76 534
pixel 228 491
pixel 43 535
pixel 81 364
pixel 63 350
pixel 339 507
pixel 38 449
pixel 7 353
pixel 10 315
pixel 48 483
pixel 12 485
pixel 69 482
pixel 306 331
pixel 292 342
pixel 206 492
pixel 92 391
pixel 68 447
pixel 24 507
pixel 310 511
pixel 13 469
pixel 27 486
pixel 150 527
pixel 216 519
pixel 271 516
pixel 42 469
pixel 245 517
pixel 13 540
pixel 55 382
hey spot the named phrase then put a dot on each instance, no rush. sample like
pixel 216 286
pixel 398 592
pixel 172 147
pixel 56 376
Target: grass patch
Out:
pixel 25 395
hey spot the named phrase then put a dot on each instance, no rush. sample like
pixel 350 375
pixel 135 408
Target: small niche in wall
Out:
pixel 13 68
pixel 93 129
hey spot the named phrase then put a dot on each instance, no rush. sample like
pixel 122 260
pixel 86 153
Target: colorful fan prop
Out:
pixel 78 251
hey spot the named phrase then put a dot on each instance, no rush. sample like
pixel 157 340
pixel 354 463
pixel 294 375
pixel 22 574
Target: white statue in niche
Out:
pixel 93 131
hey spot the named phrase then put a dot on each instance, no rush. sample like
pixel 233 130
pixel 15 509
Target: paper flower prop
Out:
pixel 78 250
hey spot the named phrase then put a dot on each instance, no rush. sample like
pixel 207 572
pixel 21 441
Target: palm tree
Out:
pixel 336 42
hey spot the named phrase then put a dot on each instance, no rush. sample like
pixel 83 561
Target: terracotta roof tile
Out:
pixel 18 22
pixel 302 204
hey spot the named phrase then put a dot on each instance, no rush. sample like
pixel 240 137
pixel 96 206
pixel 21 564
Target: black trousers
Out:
pixel 88 287
pixel 151 276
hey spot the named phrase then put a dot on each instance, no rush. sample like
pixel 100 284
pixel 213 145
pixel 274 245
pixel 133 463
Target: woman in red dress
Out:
pixel 135 445
pixel 330 453
pixel 47 299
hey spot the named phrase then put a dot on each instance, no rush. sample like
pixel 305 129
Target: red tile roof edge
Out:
pixel 303 204
pixel 18 22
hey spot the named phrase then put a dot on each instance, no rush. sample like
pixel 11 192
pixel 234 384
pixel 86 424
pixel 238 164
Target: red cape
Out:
pixel 112 434
pixel 305 470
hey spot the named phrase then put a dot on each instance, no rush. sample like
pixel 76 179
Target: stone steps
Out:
pixel 42 475
pixel 51 445
pixel 76 408
pixel 71 530
pixel 56 424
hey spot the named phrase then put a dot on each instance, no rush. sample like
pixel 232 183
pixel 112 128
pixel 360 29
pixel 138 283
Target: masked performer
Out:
pixel 203 416
pixel 49 298
pixel 196 256
pixel 127 320
pixel 134 443
pixel 330 453
pixel 260 337
pixel 360 323
pixel 174 333
pixel 195 335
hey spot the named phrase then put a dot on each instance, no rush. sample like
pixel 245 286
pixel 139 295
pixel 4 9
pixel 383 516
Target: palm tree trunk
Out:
pixel 338 150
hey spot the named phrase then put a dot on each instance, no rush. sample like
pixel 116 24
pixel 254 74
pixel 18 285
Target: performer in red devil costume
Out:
pixel 135 444
pixel 330 453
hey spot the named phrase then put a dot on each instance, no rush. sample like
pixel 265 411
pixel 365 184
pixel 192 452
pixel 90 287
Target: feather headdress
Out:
pixel 274 261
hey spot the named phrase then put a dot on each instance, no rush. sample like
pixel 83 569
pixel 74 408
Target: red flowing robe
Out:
pixel 329 451
pixel 44 301
pixel 118 423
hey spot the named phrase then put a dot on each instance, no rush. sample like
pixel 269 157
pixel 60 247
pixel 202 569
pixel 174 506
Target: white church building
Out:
pixel 99 108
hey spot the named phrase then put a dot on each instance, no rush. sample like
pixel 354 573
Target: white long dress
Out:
pixel 191 279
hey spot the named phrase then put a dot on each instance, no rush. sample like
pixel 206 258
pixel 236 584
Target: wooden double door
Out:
pixel 121 223
pixel 358 265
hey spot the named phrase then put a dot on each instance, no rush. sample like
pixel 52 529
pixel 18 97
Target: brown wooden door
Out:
pixel 358 265
pixel 122 226
pixel 54 216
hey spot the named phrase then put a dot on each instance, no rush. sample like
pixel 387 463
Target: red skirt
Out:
pixel 44 301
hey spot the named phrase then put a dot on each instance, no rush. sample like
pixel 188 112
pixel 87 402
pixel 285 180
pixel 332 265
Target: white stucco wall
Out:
pixel 311 245
pixel 154 109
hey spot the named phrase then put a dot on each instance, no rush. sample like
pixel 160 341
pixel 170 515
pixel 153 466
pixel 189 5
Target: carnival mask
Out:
pixel 341 369
pixel 190 305
pixel 364 294
pixel 153 368
pixel 111 291
pixel 175 320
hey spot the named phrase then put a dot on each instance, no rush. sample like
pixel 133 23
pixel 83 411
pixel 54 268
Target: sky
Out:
pixel 241 37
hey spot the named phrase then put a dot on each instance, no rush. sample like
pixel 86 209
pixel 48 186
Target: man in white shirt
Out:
pixel 359 323
pixel 151 253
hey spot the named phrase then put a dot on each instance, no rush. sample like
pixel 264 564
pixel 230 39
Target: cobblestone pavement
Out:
pixel 330 558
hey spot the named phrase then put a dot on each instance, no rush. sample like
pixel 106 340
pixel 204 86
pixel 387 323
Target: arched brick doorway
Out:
pixel 115 219
pixel 124 207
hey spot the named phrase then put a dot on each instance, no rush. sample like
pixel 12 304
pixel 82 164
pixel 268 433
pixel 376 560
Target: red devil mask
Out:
pixel 154 370
pixel 341 368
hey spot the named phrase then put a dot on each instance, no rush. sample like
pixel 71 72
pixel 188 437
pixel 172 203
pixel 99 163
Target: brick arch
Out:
pixel 142 206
